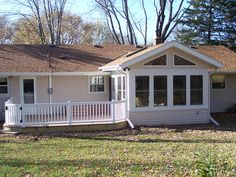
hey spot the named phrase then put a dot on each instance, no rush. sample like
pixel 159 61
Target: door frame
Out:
pixel 22 90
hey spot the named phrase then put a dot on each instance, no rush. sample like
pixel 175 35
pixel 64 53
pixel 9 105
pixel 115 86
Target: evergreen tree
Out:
pixel 209 22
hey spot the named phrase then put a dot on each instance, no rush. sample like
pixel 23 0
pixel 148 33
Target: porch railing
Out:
pixel 69 113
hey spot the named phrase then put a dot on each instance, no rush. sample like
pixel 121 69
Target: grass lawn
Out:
pixel 179 151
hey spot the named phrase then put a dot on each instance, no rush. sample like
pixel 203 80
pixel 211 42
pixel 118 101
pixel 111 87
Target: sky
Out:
pixel 89 12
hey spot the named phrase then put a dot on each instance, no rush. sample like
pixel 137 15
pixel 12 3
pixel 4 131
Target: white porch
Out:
pixel 64 114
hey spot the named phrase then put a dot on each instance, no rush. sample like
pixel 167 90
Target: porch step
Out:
pixel 9 132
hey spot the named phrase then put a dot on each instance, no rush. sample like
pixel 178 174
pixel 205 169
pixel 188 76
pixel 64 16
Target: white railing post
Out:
pixel 113 111
pixel 7 117
pixel 69 112
pixel 23 114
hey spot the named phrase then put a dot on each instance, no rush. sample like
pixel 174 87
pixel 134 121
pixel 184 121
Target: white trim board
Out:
pixel 159 49
pixel 53 73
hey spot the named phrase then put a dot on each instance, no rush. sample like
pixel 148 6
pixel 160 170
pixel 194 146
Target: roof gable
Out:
pixel 138 57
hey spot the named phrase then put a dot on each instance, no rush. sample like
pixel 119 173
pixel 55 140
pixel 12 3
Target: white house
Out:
pixel 82 84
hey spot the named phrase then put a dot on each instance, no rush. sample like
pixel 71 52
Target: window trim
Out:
pixel 149 92
pixel 169 73
pixel 89 91
pixel 6 85
pixel 202 89
pixel 167 103
pixel 156 66
pixel 182 66
pixel 219 89
pixel 186 90
pixel 123 81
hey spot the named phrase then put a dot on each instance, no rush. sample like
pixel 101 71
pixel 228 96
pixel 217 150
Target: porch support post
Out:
pixel 50 88
pixel 113 111
pixel 69 112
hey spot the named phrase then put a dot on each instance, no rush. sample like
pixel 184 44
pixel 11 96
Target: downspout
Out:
pixel 209 98
pixel 120 70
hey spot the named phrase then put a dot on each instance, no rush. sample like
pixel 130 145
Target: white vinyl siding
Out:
pixel 222 99
pixel 169 117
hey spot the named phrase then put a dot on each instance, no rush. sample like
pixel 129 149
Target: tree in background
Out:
pixel 73 31
pixel 168 14
pixel 209 22
pixel 5 31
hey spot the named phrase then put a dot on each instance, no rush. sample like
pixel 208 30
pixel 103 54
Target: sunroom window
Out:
pixel 218 81
pixel 160 90
pixel 96 83
pixel 3 86
pixel 118 88
pixel 179 92
pixel 158 61
pixel 142 91
pixel 196 90
pixel 180 61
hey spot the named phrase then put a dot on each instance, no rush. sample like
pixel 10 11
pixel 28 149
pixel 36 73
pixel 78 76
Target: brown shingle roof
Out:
pixel 85 58
pixel 220 53
pixel 74 58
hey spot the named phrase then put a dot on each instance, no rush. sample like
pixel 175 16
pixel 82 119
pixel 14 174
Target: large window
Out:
pixel 180 61
pixel 218 81
pixel 179 90
pixel 196 90
pixel 158 61
pixel 97 83
pixel 142 91
pixel 160 90
pixel 3 86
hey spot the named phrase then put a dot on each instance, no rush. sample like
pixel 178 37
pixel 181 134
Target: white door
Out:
pixel 28 90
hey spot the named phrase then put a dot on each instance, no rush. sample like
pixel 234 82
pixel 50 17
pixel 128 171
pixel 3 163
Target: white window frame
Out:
pixel 89 84
pixel 5 86
pixel 219 89
pixel 169 73
pixel 22 89
pixel 123 91
pixel 156 66
pixel 183 66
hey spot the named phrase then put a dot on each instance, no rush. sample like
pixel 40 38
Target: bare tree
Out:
pixel 5 31
pixel 45 11
pixel 167 18
pixel 116 16
pixel 165 9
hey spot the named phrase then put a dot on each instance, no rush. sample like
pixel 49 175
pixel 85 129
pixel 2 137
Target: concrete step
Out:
pixel 9 132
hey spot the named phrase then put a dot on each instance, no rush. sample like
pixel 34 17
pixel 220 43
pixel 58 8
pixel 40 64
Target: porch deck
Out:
pixel 64 114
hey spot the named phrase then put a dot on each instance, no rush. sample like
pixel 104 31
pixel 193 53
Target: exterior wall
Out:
pixel 13 92
pixel 169 114
pixel 168 117
pixel 224 98
pixel 76 88
pixel 42 95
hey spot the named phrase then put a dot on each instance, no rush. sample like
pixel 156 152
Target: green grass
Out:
pixel 149 152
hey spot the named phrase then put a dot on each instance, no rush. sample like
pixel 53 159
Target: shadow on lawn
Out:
pixel 111 164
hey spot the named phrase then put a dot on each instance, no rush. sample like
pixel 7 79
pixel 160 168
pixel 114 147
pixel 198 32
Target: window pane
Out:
pixel 158 61
pixel 96 83
pixel 160 90
pixel 181 61
pixel 142 91
pixel 196 90
pixel 179 90
pixel 123 87
pixel 3 90
pixel 113 88
pixel 3 81
pixel 218 82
